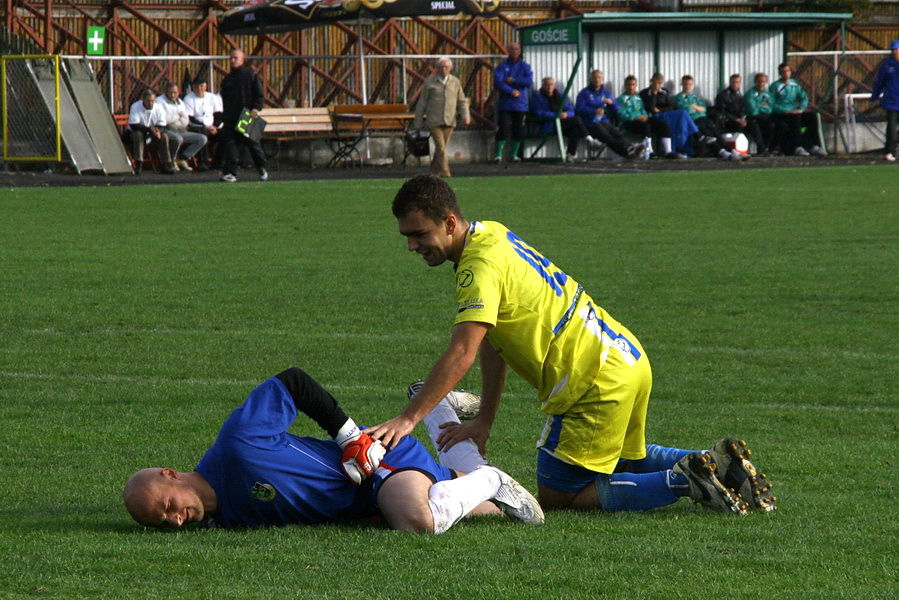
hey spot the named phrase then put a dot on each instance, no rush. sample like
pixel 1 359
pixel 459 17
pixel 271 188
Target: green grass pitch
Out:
pixel 134 319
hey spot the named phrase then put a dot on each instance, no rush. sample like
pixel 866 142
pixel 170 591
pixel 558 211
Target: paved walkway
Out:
pixel 10 178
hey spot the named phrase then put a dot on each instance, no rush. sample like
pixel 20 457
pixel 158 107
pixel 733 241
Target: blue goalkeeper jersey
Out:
pixel 264 476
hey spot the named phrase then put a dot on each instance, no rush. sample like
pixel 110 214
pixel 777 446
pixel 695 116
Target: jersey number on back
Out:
pixel 555 280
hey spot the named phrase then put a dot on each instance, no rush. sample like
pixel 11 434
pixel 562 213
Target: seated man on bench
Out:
pixel 596 106
pixel 146 128
pixel 546 103
pixel 795 130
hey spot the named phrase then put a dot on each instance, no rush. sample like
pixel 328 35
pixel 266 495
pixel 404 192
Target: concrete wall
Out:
pixel 868 137
pixel 465 146
pixel 469 146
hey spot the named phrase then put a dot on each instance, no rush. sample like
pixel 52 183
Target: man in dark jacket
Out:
pixel 729 112
pixel 241 90
pixel 887 83
pixel 659 105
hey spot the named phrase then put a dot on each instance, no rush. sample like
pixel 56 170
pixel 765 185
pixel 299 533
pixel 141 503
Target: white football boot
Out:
pixel 465 404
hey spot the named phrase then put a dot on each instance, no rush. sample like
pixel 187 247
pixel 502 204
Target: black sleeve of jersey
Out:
pixel 313 400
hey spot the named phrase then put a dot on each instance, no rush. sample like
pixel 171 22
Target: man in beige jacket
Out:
pixel 441 101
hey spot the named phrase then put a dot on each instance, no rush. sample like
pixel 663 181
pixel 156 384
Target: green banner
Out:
pixel 96 40
pixel 559 32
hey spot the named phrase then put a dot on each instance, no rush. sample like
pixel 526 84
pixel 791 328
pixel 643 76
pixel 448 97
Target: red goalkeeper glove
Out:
pixel 361 458
pixel 361 454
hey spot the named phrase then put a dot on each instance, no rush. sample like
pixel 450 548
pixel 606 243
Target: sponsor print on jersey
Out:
pixel 263 491
pixel 464 278
pixel 471 304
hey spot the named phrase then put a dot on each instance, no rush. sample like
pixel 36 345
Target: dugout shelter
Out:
pixel 708 46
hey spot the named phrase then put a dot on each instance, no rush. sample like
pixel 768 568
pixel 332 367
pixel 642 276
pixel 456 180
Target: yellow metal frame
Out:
pixel 3 60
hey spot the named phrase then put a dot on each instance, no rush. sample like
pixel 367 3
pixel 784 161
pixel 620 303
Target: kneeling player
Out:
pixel 721 479
pixel 257 474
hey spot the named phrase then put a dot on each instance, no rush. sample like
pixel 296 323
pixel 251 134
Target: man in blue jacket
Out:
pixel 596 106
pixel 512 78
pixel 887 84
pixel 547 103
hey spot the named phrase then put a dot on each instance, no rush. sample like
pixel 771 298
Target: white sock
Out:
pixel 647 145
pixel 589 139
pixel 666 145
pixel 464 456
pixel 449 501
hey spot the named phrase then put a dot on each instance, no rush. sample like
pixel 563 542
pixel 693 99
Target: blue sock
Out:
pixel 658 458
pixel 639 491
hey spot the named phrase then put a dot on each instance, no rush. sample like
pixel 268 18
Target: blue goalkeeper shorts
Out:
pixel 408 455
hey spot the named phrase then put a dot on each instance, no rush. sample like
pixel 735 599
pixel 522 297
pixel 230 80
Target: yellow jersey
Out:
pixel 544 325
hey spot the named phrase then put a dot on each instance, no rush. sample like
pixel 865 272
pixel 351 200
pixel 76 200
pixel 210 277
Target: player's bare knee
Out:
pixel 403 499
pixel 414 523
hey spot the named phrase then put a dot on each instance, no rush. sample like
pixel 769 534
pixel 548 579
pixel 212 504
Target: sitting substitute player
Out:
pixel 593 378
pixel 257 474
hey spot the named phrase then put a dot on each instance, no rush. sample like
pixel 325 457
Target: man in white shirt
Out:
pixel 177 121
pixel 202 107
pixel 146 127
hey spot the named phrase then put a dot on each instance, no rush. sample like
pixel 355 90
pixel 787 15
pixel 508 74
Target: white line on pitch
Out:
pixel 390 391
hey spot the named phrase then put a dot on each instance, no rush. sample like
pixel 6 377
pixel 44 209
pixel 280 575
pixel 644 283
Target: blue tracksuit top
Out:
pixel 521 72
pixel 541 106
pixel 887 82
pixel 589 99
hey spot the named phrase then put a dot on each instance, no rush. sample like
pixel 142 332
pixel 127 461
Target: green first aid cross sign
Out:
pixel 96 40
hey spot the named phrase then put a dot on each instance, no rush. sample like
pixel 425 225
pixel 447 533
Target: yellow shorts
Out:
pixel 607 423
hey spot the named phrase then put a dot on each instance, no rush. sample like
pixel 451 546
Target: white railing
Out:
pixel 461 63
pixel 836 56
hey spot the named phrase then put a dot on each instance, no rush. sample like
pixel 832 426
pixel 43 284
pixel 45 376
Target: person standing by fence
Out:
pixel 886 87
pixel 241 90
pixel 442 101
pixel 513 79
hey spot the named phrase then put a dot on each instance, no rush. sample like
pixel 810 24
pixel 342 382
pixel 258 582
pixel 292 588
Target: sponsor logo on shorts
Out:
pixel 263 491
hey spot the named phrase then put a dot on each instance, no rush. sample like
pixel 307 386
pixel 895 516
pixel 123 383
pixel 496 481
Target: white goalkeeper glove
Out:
pixel 361 454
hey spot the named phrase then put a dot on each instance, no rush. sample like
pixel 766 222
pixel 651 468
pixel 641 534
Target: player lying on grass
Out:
pixel 257 474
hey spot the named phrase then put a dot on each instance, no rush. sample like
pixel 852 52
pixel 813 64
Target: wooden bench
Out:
pixel 354 123
pixel 293 124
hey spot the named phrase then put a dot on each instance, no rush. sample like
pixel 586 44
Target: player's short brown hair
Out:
pixel 429 194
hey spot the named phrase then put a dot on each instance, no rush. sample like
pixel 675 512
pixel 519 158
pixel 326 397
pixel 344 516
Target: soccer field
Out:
pixel 134 319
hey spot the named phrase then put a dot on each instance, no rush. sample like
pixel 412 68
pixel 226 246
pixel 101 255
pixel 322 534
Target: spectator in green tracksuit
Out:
pixel 789 102
pixel 709 135
pixel 759 106
pixel 633 117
